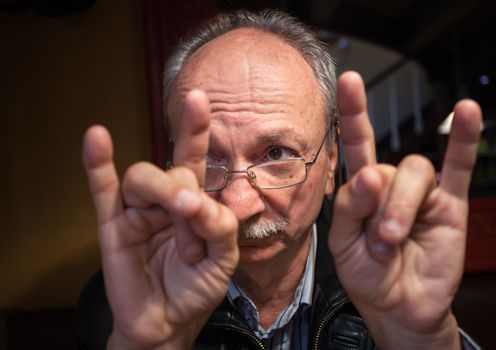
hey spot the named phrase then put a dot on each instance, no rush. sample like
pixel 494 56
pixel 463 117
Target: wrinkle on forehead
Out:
pixel 248 70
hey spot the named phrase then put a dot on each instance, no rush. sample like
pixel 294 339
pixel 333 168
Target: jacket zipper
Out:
pixel 326 319
pixel 255 339
pixel 250 335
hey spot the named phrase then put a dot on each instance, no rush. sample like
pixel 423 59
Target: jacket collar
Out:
pixel 325 270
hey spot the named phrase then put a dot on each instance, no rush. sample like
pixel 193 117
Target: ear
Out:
pixel 331 170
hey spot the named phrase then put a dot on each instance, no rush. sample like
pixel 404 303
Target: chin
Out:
pixel 259 250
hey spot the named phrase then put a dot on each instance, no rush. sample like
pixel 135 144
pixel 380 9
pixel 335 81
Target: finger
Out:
pixel 191 248
pixel 357 134
pixel 355 202
pixel 211 231
pixel 176 190
pixel 461 153
pixel 413 181
pixel 190 151
pixel 218 226
pixel 102 176
pixel 139 225
pixel 192 144
pixel 148 220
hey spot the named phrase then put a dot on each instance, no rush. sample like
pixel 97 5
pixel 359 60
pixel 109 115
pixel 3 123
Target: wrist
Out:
pixel 390 334
pixel 177 339
pixel 118 343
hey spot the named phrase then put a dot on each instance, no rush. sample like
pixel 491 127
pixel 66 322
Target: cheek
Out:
pixel 308 198
pixel 300 205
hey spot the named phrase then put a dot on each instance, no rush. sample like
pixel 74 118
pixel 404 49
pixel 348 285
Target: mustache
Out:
pixel 255 228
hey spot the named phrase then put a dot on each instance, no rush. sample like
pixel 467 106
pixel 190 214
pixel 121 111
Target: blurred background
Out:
pixel 65 65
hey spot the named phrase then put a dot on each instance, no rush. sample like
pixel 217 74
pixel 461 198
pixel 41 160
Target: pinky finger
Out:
pixel 461 153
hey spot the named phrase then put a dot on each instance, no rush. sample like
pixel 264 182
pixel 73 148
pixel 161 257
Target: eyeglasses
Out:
pixel 268 175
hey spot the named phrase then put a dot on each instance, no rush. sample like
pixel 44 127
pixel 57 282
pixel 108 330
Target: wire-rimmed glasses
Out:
pixel 267 175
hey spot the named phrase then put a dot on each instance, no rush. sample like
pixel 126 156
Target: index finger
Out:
pixel 357 133
pixel 192 143
pixel 461 153
pixel 102 176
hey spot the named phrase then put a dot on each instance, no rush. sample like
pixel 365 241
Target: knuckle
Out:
pixel 386 170
pixel 232 222
pixel 132 183
pixel 142 177
pixel 229 221
pixel 402 210
pixel 459 163
pixel 418 164
pixel 184 175
pixel 342 198
pixel 340 205
pixel 136 171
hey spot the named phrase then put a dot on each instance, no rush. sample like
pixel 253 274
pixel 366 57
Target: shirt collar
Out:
pixel 301 300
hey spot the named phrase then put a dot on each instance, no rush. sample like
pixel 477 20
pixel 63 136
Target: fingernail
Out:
pixel 391 226
pixel 187 198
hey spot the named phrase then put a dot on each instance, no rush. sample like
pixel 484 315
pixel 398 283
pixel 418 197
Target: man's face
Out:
pixel 265 105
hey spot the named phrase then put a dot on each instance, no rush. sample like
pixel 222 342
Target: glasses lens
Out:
pixel 215 178
pixel 280 174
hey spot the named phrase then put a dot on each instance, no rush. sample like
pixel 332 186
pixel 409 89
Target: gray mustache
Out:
pixel 254 228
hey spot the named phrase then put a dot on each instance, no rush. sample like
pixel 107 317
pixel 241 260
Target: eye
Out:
pixel 278 153
pixel 214 160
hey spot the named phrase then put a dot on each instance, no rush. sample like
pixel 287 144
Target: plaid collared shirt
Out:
pixel 290 329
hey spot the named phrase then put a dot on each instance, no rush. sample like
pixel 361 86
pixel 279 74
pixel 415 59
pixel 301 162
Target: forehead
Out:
pixel 248 70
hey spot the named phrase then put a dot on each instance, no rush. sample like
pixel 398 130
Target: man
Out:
pixel 250 103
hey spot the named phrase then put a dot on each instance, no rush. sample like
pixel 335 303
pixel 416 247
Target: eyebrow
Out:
pixel 278 138
pixel 271 138
pixel 261 139
pixel 267 139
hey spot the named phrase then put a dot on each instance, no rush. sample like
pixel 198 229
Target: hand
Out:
pixel 168 250
pixel 398 238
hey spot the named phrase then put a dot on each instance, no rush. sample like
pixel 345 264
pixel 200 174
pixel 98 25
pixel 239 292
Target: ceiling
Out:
pixel 451 39
pixel 47 7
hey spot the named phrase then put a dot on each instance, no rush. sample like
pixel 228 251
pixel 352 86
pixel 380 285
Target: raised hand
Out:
pixel 168 250
pixel 398 238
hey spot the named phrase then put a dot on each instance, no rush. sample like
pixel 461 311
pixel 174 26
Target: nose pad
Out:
pixel 252 177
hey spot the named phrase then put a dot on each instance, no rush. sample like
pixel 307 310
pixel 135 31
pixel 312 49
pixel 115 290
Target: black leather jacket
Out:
pixel 334 322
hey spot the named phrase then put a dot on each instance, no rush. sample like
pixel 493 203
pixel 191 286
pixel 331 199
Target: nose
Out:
pixel 244 199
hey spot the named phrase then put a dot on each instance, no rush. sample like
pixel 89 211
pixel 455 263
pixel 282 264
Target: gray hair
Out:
pixel 282 25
